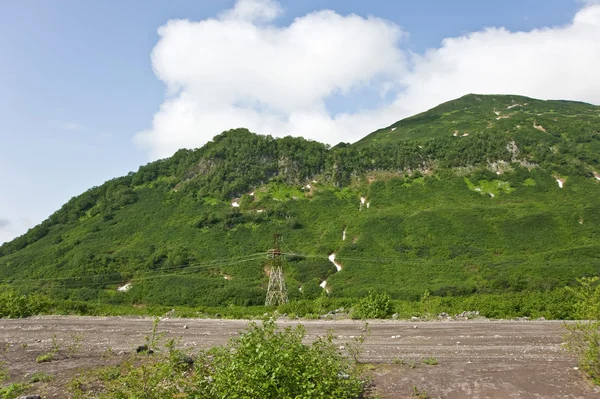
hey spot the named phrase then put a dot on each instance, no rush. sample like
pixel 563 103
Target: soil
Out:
pixel 476 358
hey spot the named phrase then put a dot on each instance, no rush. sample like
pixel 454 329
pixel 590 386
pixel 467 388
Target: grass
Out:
pixel 45 358
pixel 431 361
pixel 419 393
pixel 40 376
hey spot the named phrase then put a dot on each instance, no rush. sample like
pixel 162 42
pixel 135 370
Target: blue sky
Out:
pixel 78 85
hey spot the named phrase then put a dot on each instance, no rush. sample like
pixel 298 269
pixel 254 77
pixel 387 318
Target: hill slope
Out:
pixel 499 113
pixel 484 194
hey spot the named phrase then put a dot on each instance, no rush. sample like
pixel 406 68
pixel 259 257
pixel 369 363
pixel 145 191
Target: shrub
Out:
pixel 14 305
pixel 373 306
pixel 583 338
pixel 266 363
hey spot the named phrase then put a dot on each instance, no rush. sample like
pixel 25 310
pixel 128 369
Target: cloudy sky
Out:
pixel 92 90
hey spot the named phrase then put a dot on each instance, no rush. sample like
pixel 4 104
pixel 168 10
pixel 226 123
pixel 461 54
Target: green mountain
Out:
pixel 481 195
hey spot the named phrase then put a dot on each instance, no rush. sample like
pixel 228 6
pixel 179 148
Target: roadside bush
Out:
pixel 15 305
pixel 266 363
pixel 373 306
pixel 583 340
pixel 583 337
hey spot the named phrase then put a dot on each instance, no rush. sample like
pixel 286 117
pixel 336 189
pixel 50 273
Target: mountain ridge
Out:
pixel 500 101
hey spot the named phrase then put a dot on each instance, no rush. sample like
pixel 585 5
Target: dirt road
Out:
pixel 477 358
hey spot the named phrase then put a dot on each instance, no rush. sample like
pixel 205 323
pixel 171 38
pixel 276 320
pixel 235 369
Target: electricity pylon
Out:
pixel 276 292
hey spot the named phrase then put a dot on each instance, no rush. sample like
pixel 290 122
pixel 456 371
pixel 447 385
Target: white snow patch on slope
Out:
pixel 125 288
pixel 336 264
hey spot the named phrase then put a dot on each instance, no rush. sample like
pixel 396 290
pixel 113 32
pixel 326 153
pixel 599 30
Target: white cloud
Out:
pixel 588 2
pixel 254 11
pixel 240 69
pixel 73 126
pixel 558 63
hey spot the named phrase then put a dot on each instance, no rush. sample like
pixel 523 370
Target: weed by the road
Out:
pixel 49 356
pixel 3 372
pixel 583 338
pixel 45 358
pixel 399 360
pixel 9 391
pixel 13 390
pixel 355 348
pixel 432 361
pixel 40 376
pixel 420 394
pixel 108 353
pixel 155 337
pixel 72 346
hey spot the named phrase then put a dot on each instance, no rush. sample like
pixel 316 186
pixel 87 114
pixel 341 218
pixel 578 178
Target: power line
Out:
pixel 422 262
pixel 115 277
pixel 194 267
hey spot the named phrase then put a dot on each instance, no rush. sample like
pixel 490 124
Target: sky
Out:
pixel 92 90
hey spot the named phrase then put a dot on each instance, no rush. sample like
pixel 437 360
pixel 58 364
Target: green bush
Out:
pixel 15 305
pixel 266 363
pixel 583 337
pixel 583 340
pixel 373 306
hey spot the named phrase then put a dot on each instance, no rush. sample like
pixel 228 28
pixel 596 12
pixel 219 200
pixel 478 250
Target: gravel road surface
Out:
pixel 477 358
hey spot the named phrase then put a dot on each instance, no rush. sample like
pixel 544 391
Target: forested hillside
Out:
pixel 480 195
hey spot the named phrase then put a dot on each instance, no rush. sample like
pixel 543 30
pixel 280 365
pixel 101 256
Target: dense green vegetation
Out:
pixel 461 201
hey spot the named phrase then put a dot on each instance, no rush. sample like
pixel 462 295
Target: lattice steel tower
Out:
pixel 276 292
